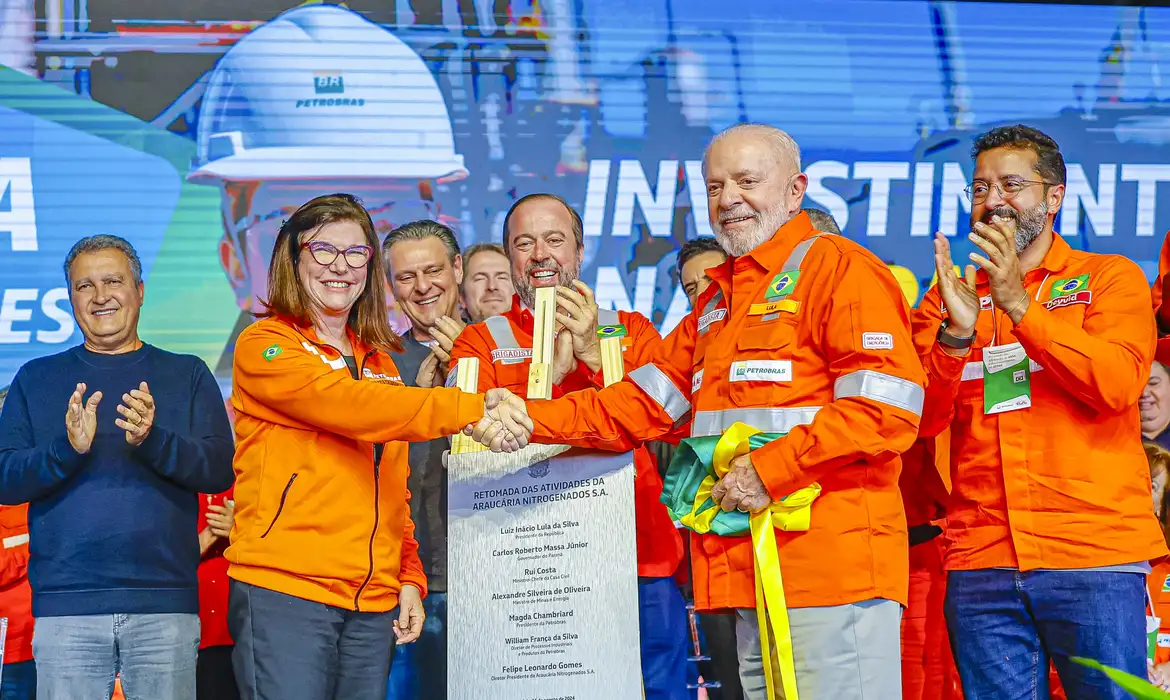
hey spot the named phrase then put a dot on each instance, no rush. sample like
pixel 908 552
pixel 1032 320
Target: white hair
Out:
pixel 783 146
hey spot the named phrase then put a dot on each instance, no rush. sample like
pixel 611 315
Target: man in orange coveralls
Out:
pixel 19 672
pixel 543 238
pixel 1036 362
pixel 801 333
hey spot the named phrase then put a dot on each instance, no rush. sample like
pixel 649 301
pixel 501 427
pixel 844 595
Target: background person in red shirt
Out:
pixel 19 671
pixel 214 679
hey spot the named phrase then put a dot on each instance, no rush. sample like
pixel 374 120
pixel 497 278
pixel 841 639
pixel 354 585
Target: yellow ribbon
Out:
pixel 793 514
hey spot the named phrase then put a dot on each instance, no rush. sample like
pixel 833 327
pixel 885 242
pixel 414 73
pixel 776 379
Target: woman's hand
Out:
pixel 409 625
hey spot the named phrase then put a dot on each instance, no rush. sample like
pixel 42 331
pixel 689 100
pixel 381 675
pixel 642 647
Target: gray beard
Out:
pixel 527 293
pixel 744 242
pixel 1029 224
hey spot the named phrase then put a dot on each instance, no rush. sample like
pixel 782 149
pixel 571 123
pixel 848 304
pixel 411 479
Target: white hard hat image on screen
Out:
pixel 319 100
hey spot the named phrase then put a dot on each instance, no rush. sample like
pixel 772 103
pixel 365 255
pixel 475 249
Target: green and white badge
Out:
pixel 1007 379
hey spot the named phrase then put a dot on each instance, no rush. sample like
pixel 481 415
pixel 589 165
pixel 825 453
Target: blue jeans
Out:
pixel 18 681
pixel 1006 625
pixel 78 657
pixel 419 671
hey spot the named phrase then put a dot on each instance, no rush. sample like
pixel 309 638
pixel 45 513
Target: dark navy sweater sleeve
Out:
pixel 29 471
pixel 202 461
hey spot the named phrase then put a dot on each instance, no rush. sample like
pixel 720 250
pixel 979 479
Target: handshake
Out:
pixel 505 426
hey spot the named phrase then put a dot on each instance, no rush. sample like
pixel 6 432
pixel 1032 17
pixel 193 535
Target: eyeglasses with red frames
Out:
pixel 356 257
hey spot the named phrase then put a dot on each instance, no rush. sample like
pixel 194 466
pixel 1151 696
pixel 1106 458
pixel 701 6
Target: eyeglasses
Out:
pixel 977 191
pixel 356 257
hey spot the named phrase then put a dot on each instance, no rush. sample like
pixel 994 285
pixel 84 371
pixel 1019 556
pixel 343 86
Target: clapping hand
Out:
pixel 505 426
pixel 959 295
pixel 577 312
pixel 429 373
pixel 445 332
pixel 137 411
pixel 1002 265
pixel 81 419
pixel 221 518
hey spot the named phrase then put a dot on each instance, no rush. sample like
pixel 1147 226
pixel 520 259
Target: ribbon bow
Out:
pixel 706 460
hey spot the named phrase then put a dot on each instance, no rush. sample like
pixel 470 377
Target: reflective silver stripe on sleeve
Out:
pixel 658 386
pixel 768 420
pixel 607 317
pixel 503 337
pixel 883 388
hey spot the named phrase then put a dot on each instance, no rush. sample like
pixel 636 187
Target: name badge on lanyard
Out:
pixel 1007 379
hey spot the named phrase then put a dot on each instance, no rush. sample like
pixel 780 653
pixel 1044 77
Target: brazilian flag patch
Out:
pixel 1166 585
pixel 782 284
pixel 1062 288
pixel 615 331
pixel 271 352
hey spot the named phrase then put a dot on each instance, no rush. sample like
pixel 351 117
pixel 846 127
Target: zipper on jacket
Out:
pixel 377 505
pixel 283 498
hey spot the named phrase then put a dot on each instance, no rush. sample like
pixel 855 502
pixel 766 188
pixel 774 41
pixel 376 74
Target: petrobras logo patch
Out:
pixel 510 356
pixel 761 371
pixel 328 84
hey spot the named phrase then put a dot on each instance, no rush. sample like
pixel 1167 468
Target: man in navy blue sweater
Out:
pixel 112 487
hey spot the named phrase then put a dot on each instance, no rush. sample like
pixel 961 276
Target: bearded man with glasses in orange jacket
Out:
pixel 1036 360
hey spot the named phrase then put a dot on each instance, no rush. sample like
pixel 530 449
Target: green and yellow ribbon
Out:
pixel 697 466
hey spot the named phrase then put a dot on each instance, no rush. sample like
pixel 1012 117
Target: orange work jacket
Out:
pixel 808 335
pixel 926 479
pixel 503 345
pixel 317 517
pixel 1065 483
pixel 15 593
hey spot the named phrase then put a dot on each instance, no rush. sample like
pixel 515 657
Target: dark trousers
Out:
pixel 293 649
pixel 214 678
pixel 19 681
pixel 719 645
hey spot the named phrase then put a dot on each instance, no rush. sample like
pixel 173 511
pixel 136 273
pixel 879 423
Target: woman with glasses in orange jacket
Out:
pixel 323 551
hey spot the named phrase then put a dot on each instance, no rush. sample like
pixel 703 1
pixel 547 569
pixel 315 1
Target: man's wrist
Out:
pixel 1016 313
pixel 591 359
pixel 955 338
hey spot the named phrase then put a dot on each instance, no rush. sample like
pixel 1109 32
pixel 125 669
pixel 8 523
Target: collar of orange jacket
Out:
pixel 519 313
pixel 360 347
pixel 770 255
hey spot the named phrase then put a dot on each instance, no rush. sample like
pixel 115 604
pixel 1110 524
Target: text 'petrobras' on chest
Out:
pixel 761 371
